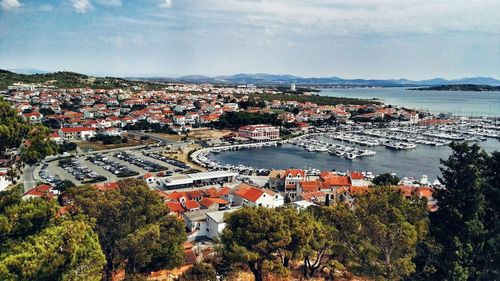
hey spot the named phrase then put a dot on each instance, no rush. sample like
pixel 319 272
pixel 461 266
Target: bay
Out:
pixel 455 102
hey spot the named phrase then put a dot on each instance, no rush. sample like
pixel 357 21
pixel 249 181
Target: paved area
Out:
pixel 28 178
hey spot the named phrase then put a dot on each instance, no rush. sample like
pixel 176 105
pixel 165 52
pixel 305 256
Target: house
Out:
pixel 33 117
pixel 77 133
pixel 196 224
pixel 287 180
pixel 215 223
pixel 259 132
pixel 150 179
pixel 214 204
pixel 357 179
pixel 43 190
pixel 247 195
pixel 291 178
pixel 175 208
pixel 191 205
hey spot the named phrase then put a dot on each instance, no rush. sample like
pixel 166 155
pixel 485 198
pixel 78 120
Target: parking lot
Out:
pixel 147 165
pixel 108 167
pixel 80 172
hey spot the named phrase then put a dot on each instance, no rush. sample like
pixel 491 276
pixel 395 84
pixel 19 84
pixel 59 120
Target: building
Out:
pixel 215 223
pixel 247 195
pixel 77 133
pixel 259 132
pixel 197 179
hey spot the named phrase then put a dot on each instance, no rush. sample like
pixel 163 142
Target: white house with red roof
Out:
pixel 43 190
pixel 357 179
pixel 77 133
pixel 260 131
pixel 247 195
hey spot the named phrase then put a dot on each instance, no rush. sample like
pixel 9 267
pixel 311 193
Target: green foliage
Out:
pixel 466 224
pixel 134 227
pixel 199 272
pixel 65 79
pixel 390 227
pixel 35 245
pixel 320 100
pixel 64 185
pixel 242 118
pixel 254 237
pixel 107 139
pixel 38 145
pixel 14 130
pixel 385 179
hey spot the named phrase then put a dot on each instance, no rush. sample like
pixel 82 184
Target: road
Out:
pixel 28 179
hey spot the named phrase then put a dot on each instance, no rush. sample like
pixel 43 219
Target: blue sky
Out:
pixel 415 39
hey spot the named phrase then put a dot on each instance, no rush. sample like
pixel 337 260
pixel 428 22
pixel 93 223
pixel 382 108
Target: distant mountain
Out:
pixel 28 71
pixel 70 78
pixel 460 87
pixel 273 79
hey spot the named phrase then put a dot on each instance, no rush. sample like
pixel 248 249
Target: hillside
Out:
pixel 460 87
pixel 66 79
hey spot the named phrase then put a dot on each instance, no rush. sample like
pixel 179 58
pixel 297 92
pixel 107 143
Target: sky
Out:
pixel 380 39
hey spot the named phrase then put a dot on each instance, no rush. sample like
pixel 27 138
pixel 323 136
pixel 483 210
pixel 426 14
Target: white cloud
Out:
pixel 81 6
pixel 8 5
pixel 165 4
pixel 351 17
pixel 110 2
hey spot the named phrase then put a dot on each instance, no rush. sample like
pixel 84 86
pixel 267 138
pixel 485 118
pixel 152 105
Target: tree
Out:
pixel 199 272
pixel 255 236
pixel 311 241
pixel 385 179
pixel 38 145
pixel 66 251
pixel 37 245
pixel 489 259
pixel 64 185
pixel 134 227
pixel 390 227
pixel 465 224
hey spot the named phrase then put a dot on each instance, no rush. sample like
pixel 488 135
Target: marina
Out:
pixel 407 151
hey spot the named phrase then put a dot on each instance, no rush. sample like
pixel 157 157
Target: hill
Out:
pixel 65 79
pixel 273 79
pixel 461 87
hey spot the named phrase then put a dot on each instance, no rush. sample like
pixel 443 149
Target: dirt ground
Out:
pixel 182 155
pixel 209 134
pixel 95 146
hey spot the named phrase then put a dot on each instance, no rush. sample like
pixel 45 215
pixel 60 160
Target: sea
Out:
pixel 423 160
pixel 454 102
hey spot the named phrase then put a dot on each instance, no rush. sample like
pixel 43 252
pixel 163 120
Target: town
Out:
pixel 165 137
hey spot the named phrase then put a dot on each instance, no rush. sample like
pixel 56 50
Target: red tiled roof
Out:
pixel 356 175
pixel 106 186
pixel 249 192
pixel 191 204
pixel 76 130
pixel 41 190
pixel 194 194
pixel 310 186
pixel 224 191
pixel 175 207
pixel 295 172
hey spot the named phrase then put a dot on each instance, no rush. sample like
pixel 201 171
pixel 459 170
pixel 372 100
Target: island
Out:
pixel 460 88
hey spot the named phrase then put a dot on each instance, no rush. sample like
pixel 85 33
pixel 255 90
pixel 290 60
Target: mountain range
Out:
pixel 272 79
pixel 275 79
